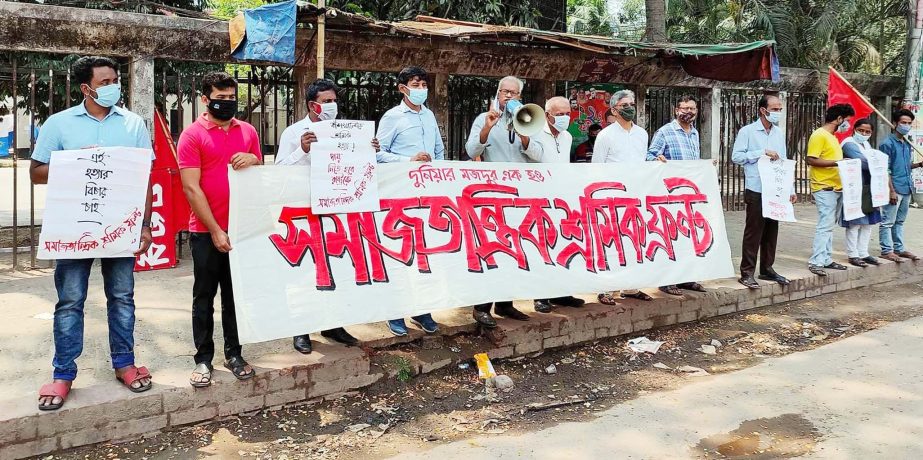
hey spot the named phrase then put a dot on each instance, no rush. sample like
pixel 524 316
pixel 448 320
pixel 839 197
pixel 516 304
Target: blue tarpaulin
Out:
pixel 270 33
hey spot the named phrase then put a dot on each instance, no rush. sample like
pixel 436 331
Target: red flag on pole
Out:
pixel 839 91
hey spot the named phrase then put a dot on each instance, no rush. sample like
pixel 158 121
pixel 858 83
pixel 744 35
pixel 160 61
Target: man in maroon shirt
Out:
pixel 205 150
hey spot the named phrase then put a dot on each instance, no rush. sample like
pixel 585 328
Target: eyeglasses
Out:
pixel 509 92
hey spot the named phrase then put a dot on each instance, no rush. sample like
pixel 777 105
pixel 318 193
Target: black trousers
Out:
pixel 485 307
pixel 760 235
pixel 211 269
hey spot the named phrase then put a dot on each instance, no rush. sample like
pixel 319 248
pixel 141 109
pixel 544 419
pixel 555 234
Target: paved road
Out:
pixel 863 396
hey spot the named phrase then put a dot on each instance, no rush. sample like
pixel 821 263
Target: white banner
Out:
pixel 777 179
pixel 851 177
pixel 95 203
pixel 452 234
pixel 343 166
pixel 878 168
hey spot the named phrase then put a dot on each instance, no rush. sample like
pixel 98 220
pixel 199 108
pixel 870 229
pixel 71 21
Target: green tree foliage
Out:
pixel 589 17
pixel 485 11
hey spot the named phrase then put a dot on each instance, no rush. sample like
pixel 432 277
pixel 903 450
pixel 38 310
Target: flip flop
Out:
pixel 607 298
pixel 205 370
pixel 136 374
pixel 672 290
pixel 639 295
pixel 51 390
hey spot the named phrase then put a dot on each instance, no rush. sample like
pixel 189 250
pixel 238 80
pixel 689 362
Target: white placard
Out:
pixel 851 177
pixel 95 203
pixel 451 234
pixel 343 167
pixel 777 179
pixel 878 168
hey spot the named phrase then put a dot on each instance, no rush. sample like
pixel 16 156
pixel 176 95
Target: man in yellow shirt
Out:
pixel 824 152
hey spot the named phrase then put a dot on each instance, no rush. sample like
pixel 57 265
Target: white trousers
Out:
pixel 857 241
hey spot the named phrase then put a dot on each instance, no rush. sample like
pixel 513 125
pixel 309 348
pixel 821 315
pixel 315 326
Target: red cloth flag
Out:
pixel 839 91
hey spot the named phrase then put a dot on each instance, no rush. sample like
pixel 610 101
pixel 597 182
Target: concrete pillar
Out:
pixel 709 122
pixel 141 97
pixel 641 109
pixel 883 129
pixel 439 104
pixel 301 85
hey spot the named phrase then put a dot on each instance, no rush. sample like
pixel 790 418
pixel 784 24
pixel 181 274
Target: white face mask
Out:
pixel 328 111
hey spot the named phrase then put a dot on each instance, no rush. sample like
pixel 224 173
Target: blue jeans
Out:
pixel 71 279
pixel 828 210
pixel 891 232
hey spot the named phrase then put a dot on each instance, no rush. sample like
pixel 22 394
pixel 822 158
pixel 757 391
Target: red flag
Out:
pixel 165 158
pixel 839 91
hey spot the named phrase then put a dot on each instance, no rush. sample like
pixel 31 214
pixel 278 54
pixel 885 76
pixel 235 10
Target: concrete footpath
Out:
pixel 863 395
pixel 99 409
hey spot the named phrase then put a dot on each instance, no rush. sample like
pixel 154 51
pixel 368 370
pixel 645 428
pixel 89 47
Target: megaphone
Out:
pixel 526 119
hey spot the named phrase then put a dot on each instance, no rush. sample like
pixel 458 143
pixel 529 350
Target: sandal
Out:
pixel 692 287
pixel 607 298
pixel 672 290
pixel 640 296
pixel 205 370
pixel 136 374
pixel 53 390
pixel 238 366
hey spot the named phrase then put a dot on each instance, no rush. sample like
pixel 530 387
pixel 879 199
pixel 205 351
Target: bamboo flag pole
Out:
pixel 321 26
pixel 880 115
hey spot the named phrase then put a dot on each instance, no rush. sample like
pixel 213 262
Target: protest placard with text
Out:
pixel 851 178
pixel 777 178
pixel 343 166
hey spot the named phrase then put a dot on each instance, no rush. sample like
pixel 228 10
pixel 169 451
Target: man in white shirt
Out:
pixel 295 149
pixel 552 145
pixel 621 142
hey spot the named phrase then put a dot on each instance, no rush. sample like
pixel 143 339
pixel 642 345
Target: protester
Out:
pixel 859 231
pixel 584 151
pixel 622 141
pixel 900 162
pixel 96 122
pixel 754 141
pixel 824 152
pixel 206 148
pixel 490 140
pixel 678 140
pixel 295 149
pixel 408 132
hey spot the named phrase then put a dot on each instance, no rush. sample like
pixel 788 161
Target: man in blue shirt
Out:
pixel 408 132
pixel 754 141
pixel 900 162
pixel 97 122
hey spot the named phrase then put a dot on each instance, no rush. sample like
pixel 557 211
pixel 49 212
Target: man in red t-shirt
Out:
pixel 205 150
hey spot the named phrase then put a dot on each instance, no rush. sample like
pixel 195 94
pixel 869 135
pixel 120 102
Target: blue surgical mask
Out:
pixel 861 138
pixel 774 117
pixel 417 95
pixel 903 130
pixel 561 122
pixel 109 95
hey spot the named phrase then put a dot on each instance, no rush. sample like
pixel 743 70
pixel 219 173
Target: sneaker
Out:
pixel 397 327
pixel 426 323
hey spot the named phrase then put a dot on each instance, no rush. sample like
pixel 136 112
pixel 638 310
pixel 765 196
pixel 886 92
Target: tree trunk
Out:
pixel 656 27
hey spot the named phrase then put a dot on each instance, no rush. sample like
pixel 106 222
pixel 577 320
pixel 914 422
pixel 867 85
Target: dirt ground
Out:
pixel 452 404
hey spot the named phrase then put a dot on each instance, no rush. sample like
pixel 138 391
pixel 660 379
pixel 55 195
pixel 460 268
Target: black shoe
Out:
pixel 836 266
pixel 302 344
pixel 857 262
pixel 819 271
pixel 484 319
pixel 747 280
pixel 871 260
pixel 776 278
pixel 512 313
pixel 340 335
pixel 543 306
pixel 567 301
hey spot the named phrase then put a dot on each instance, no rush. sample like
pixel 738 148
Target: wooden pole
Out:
pixel 321 25
pixel 881 115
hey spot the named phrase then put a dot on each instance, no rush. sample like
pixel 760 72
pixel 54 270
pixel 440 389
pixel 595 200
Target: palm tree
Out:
pixel 656 14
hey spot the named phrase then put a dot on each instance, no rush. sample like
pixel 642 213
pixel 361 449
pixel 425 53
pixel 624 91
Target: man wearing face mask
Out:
pixel 295 149
pixel 205 149
pixel 96 122
pixel 622 141
pixel 678 140
pixel 408 132
pixel 754 141
pixel 824 152
pixel 900 163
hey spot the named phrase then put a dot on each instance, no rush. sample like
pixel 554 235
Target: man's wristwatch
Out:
pixel 145 224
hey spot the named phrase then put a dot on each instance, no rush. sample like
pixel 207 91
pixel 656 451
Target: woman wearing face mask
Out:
pixel 859 231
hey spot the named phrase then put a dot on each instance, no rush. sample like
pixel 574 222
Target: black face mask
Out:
pixel 222 109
